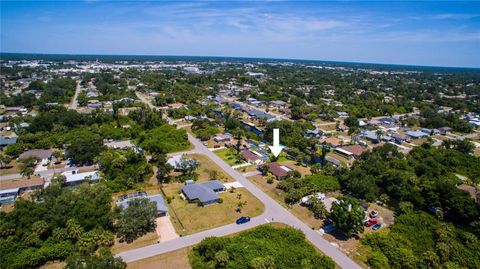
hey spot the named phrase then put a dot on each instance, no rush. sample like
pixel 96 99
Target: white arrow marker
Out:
pixel 276 148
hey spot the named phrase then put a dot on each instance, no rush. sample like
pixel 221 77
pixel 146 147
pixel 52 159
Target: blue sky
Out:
pixel 422 33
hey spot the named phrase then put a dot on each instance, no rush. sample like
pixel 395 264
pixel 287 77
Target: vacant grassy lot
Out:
pixel 11 168
pixel 208 168
pixel 177 259
pixel 228 155
pixel 190 218
pixel 146 240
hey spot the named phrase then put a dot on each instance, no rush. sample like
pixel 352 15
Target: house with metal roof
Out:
pixel 74 178
pixel 162 209
pixel 417 134
pixel 206 192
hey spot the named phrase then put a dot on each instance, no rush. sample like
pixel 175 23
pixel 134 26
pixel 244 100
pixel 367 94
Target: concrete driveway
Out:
pixel 165 229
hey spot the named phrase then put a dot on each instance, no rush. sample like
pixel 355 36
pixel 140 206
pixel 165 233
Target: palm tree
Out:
pixel 4 160
pixel 379 135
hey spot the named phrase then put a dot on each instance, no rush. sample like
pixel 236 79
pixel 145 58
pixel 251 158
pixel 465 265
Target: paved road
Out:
pixel 74 103
pixel 273 211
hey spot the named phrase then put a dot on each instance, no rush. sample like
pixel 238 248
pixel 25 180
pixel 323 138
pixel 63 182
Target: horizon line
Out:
pixel 246 57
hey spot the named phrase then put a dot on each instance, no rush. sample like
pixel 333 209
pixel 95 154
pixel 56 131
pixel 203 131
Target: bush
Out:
pixel 270 180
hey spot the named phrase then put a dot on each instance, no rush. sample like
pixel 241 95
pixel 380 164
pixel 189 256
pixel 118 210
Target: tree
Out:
pixel 163 168
pixel 188 167
pixel 137 219
pixel 348 216
pixel 222 258
pixel 353 124
pixel 26 166
pixel 317 207
pixel 84 146
pixel 263 263
pixel 315 168
pixel 4 160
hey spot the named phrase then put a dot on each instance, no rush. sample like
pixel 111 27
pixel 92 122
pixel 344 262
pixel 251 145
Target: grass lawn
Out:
pixel 189 218
pixel 12 168
pixel 177 259
pixel 207 168
pixel 146 240
pixel 345 162
pixel 304 170
pixel 227 155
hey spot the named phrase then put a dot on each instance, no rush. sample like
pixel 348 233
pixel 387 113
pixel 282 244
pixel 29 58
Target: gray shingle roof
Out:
pixel 204 192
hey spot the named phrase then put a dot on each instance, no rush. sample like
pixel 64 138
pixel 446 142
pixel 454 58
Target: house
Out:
pixel 430 131
pixel 43 154
pixel 251 156
pixel 444 130
pixel 306 199
pixel 9 190
pixel 222 138
pixel 389 121
pixel 352 151
pixel 74 178
pixel 162 209
pixel 331 141
pixel 176 161
pixel 124 145
pixel 5 140
pixel 8 196
pixel 278 104
pixel 417 134
pixel 333 161
pixel 342 114
pixel 313 133
pixel 206 192
pixel 399 138
pixel 470 189
pixel 278 170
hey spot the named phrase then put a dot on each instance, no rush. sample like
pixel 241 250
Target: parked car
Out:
pixel 370 222
pixel 243 220
pixel 377 227
pixel 373 214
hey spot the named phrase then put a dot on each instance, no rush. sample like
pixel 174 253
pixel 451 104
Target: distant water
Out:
pixel 216 59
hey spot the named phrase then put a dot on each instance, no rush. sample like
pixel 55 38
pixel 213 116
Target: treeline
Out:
pixel 58 224
pixel 419 240
pixel 424 178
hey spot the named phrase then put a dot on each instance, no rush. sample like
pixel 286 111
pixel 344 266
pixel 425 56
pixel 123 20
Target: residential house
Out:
pixel 351 151
pixel 331 141
pixel 417 134
pixel 43 154
pixel 124 144
pixel 251 156
pixel 399 138
pixel 162 209
pixel 278 104
pixel 222 138
pixel 206 192
pixel 9 190
pixel 73 178
pixel 278 170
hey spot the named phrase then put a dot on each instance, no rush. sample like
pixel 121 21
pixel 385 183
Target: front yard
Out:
pixel 189 218
pixel 228 155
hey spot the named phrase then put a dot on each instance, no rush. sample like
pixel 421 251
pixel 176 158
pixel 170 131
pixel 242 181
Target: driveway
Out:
pixel 165 229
